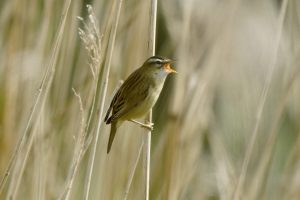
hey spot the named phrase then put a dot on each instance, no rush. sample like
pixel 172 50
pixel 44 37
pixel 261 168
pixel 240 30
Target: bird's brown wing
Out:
pixel 119 97
pixel 133 92
pixel 113 102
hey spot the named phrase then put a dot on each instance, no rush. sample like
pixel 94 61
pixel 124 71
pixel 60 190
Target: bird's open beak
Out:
pixel 168 68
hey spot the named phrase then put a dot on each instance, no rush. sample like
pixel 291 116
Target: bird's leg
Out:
pixel 148 125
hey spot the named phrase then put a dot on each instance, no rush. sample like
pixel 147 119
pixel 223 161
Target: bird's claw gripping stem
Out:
pixel 147 125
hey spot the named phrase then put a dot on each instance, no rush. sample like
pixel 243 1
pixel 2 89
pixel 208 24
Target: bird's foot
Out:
pixel 147 125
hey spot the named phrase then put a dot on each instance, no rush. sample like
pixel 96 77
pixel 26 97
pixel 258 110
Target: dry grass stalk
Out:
pixel 103 91
pixel 205 115
pixel 37 106
pixel 78 152
pixel 261 105
pixel 130 178
pixel 147 136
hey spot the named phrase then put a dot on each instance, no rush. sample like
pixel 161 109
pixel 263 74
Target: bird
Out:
pixel 138 94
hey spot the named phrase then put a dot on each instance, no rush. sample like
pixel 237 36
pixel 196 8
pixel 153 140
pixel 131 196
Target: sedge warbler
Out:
pixel 138 94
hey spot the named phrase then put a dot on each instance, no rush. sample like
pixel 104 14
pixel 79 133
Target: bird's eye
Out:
pixel 158 62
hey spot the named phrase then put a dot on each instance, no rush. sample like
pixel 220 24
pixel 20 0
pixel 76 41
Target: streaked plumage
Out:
pixel 138 94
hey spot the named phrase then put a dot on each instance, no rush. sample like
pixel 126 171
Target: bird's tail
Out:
pixel 113 130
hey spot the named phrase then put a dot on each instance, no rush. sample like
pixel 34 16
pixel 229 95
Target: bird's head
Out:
pixel 159 65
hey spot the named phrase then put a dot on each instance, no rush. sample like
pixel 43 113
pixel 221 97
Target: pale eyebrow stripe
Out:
pixel 155 60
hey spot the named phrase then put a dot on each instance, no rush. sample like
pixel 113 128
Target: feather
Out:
pixel 113 130
pixel 132 92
